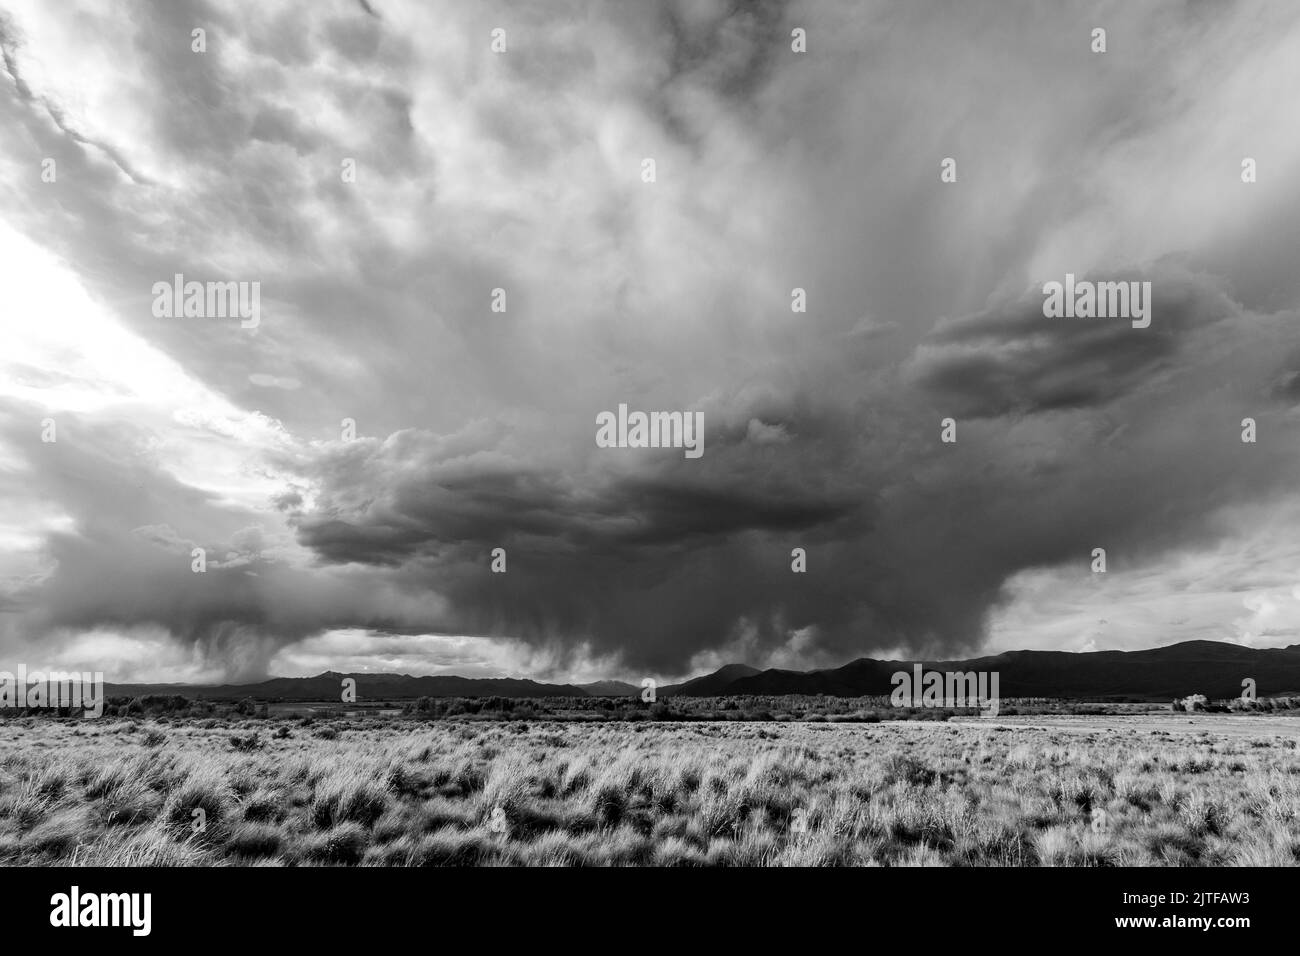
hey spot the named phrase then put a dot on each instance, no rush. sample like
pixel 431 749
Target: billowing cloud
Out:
pixel 349 464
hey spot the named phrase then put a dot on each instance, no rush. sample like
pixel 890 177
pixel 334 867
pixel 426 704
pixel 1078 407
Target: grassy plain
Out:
pixel 1184 790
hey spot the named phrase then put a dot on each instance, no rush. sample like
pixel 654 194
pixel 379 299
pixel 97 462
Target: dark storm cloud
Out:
pixel 521 171
pixel 731 48
pixel 415 505
pixel 1286 380
pixel 125 559
pixel 910 541
pixel 1013 359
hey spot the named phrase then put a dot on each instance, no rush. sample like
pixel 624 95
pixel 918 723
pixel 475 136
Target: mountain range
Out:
pixel 1213 668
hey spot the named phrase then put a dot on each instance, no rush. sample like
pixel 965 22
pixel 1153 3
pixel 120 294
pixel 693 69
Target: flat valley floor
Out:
pixel 1152 790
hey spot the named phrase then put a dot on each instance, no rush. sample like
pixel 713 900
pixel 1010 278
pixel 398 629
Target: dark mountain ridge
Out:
pixel 1213 668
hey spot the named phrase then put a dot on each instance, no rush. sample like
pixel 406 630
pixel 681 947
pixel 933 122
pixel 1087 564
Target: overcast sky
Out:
pixel 522 170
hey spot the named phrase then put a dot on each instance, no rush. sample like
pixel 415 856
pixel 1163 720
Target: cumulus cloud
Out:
pixel 1012 359
pixel 474 429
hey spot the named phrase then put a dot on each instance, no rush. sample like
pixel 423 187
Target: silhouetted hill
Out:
pixel 710 685
pixel 370 687
pixel 1213 668
pixel 610 688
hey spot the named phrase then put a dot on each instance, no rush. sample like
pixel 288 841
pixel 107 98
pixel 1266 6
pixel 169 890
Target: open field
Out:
pixel 1255 727
pixel 1201 790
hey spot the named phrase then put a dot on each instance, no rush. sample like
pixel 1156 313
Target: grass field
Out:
pixel 1200 790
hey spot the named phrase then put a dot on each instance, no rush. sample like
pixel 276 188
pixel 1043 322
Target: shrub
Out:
pixel 263 805
pixel 201 790
pixel 254 839
pixel 345 844
pixel 904 768
pixel 348 797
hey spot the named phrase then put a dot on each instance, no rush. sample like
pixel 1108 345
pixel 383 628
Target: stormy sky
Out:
pixel 475 429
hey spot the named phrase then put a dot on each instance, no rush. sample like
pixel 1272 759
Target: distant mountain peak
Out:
pixel 736 670
pixel 1214 668
pixel 1152 674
